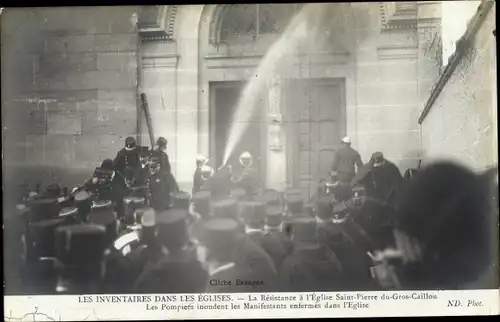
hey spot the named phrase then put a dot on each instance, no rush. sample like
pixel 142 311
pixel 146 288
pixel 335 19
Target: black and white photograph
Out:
pixel 249 148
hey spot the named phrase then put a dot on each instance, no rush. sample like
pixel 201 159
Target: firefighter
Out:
pixel 345 161
pixel 161 153
pixel 158 187
pixel 127 160
pixel 197 179
pixel 249 179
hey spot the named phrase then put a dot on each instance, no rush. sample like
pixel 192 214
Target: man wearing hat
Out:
pixel 235 259
pixel 345 161
pixel 126 160
pixel 197 178
pixel 275 227
pixel 312 266
pixel 253 214
pixel 179 271
pixel 355 262
pixel 142 169
pixel 160 153
pixel 158 187
pixel 80 250
pixel 295 209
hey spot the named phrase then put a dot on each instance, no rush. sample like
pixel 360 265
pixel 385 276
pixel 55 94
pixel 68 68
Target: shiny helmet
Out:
pixel 246 159
pixel 206 172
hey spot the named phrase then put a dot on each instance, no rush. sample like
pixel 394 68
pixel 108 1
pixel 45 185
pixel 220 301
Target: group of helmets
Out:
pixel 207 171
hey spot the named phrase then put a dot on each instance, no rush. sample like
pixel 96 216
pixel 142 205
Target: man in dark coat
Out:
pixel 219 184
pixel 381 178
pixel 253 214
pixel 160 153
pixel 158 187
pixel 355 262
pixel 345 161
pixel 127 160
pixel 311 267
pixel 179 271
pixel 234 257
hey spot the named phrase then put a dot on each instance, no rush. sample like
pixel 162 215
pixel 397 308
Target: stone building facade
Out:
pixel 75 85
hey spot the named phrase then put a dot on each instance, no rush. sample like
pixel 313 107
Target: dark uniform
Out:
pixel 179 271
pixel 344 161
pixel 80 250
pixel 386 179
pixel 158 185
pixel 355 263
pixel 130 205
pixel 236 258
pixel 312 266
pixel 127 159
pixel 274 227
pixel 228 208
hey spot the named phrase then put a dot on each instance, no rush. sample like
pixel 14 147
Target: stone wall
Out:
pixel 384 117
pixel 68 90
pixel 462 124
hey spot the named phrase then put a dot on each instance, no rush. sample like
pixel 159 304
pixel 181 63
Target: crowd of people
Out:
pixel 130 229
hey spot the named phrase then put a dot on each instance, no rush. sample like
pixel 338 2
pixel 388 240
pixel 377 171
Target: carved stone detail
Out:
pixel 398 15
pixel 156 23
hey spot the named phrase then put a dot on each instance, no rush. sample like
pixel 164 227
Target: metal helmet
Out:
pixel 201 159
pixel 346 140
pixel 246 159
pixel 206 172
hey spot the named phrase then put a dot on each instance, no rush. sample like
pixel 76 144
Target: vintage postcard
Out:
pixel 254 160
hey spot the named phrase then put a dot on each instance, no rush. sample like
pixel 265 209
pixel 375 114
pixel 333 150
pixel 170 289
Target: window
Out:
pixel 455 18
pixel 256 19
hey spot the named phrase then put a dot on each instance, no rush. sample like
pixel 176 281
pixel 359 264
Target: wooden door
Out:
pixel 317 125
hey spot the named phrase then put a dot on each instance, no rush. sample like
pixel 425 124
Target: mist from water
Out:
pixel 301 32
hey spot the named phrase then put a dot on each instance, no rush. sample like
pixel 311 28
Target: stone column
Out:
pixel 276 153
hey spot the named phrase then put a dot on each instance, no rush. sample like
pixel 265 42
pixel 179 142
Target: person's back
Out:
pixel 311 266
pixel 345 161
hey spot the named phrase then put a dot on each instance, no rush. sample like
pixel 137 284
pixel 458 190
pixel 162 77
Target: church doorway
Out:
pixel 224 98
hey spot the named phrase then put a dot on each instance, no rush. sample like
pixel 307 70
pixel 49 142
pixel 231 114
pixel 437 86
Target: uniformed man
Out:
pixel 219 184
pixel 345 161
pixel 126 160
pixel 161 153
pixel 130 205
pixel 272 197
pixel 355 263
pixel 228 208
pixel 142 170
pixel 231 256
pixel 158 185
pixel 80 250
pixel 179 271
pixel 444 203
pixel 311 267
pixel 249 179
pixel 197 179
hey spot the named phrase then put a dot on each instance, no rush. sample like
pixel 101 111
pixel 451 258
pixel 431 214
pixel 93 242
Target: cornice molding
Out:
pixel 398 15
pixel 160 61
pixel 397 52
pixel 223 61
pixel 157 23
